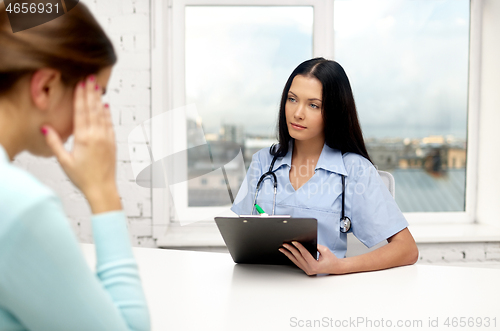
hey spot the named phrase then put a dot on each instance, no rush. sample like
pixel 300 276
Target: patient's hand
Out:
pixel 91 165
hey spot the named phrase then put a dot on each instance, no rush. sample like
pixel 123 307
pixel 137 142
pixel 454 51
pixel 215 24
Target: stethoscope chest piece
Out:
pixel 345 224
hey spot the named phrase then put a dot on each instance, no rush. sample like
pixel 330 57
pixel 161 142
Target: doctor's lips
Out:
pixel 297 126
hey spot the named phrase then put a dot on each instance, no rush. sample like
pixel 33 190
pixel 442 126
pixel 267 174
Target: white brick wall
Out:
pixel 129 95
pixel 476 254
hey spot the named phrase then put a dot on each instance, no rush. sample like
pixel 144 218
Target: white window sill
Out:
pixel 207 234
pixel 454 232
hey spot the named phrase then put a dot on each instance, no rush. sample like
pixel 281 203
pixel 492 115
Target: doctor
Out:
pixel 320 141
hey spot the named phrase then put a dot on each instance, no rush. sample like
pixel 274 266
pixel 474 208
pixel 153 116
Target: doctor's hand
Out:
pixel 327 262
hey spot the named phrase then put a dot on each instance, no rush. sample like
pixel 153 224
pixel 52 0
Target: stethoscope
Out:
pixel 345 222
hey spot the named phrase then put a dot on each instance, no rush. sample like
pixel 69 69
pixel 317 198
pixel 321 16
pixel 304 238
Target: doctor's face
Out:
pixel 303 109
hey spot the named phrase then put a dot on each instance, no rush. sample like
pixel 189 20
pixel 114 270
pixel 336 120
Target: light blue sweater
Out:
pixel 45 282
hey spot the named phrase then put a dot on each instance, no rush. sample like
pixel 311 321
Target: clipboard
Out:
pixel 256 239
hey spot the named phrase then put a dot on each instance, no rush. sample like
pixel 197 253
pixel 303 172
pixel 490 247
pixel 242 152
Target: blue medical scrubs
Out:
pixel 374 214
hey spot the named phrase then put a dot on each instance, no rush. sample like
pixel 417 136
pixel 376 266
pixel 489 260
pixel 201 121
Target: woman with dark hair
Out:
pixel 320 155
pixel 51 80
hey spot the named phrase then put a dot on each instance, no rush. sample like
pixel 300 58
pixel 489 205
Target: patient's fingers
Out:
pixel 108 122
pixel 80 120
pixel 93 102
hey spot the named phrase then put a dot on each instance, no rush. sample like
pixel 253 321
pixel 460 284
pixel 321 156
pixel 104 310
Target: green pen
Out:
pixel 260 210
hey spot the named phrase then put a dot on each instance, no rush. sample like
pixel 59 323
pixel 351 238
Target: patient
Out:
pixel 51 81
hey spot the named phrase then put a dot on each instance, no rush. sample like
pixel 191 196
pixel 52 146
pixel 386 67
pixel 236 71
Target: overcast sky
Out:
pixel 407 62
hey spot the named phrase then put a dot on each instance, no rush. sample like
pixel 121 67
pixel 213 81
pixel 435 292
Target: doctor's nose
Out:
pixel 299 113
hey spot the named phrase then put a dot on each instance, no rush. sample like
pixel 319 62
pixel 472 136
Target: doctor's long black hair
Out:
pixel 342 129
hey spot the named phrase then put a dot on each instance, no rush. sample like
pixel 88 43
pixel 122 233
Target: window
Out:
pixel 237 60
pixel 229 65
pixel 408 63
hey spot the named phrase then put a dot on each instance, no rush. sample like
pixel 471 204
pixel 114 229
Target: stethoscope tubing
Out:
pixel 345 222
pixel 275 184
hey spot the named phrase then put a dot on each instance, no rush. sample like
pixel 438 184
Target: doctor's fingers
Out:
pixel 304 252
pixel 297 254
pixel 293 259
pixel 302 262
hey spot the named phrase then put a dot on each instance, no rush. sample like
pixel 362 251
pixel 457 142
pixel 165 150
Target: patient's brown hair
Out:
pixel 73 43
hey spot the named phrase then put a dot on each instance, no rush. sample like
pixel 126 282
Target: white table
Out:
pixel 207 291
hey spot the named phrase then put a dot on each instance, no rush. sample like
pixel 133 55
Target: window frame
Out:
pixel 168 66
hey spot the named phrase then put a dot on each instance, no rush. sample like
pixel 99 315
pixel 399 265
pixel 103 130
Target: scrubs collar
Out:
pixel 285 160
pixel 330 160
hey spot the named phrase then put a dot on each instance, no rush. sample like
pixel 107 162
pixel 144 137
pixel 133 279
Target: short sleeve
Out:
pixel 374 214
pixel 243 204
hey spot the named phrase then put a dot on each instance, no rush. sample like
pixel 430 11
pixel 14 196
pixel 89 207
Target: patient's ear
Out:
pixel 43 86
